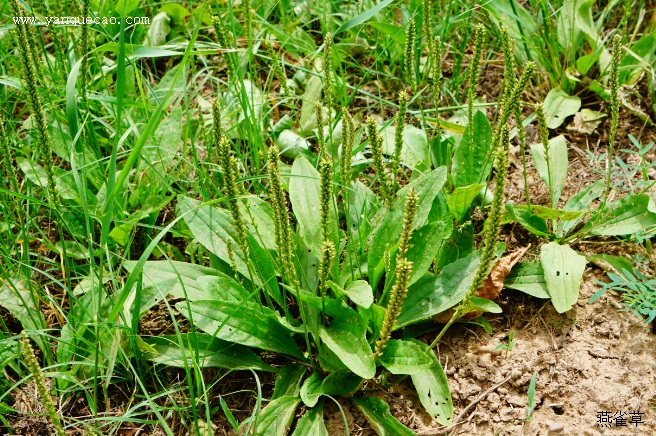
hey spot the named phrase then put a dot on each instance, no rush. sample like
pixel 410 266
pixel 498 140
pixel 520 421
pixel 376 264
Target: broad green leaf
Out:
pixel 580 202
pixel 481 304
pixel 563 271
pixel 310 97
pixel 461 199
pixel 363 205
pixel 432 295
pixel 359 291
pixel 291 144
pixel 377 412
pixel 433 388
pixel 277 416
pixel 158 30
pixel 15 296
pixel 363 17
pixel 387 233
pixel 632 214
pixel 530 222
pixel 528 277
pixel 261 226
pixel 305 198
pixel 459 245
pixel 311 390
pixel 555 175
pixel 346 336
pixel 208 352
pixel 472 157
pixel 311 423
pixel 184 280
pixel 404 357
pixel 548 213
pixel 608 262
pixel 341 382
pixel 161 149
pixel 177 12
pixel 288 381
pixel 424 244
pixel 573 22
pixel 558 105
pixel 415 152
pixel 244 323
pixel 64 181
pixel 213 227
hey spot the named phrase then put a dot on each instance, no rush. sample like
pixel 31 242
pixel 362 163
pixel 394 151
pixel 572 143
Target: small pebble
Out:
pixel 556 427
pixel 516 373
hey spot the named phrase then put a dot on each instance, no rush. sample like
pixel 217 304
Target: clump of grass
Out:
pixel 8 159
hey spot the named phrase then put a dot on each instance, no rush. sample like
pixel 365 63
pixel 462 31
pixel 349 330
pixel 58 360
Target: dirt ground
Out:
pixel 593 364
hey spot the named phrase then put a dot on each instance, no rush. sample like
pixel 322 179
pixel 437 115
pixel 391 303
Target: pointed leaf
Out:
pixel 632 214
pixel 558 105
pixel 277 416
pixel 461 199
pixel 346 337
pixel 359 291
pixel 387 233
pixel 432 295
pixel 377 412
pixel 563 272
pixel 433 388
pixel 555 175
pixel 208 352
pixel 404 357
pixel 288 381
pixel 311 390
pixel 311 423
pixel 305 198
pixel 528 277
pixel 16 297
pixel 472 160
pixel 414 152
pixel 244 323
pixel 213 227
pixel 580 202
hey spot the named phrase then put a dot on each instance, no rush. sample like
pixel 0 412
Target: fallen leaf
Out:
pixel 491 287
pixel 586 121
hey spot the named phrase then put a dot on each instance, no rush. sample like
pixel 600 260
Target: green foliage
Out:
pixel 216 209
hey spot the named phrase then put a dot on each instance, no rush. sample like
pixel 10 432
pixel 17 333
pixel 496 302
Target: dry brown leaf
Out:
pixel 491 287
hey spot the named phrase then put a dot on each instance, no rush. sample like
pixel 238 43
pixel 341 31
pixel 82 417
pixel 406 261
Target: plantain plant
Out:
pixel 330 270
pixel 559 273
